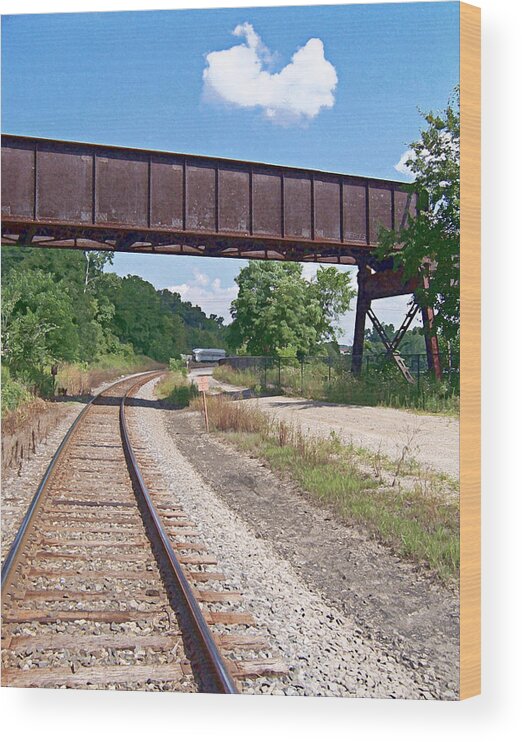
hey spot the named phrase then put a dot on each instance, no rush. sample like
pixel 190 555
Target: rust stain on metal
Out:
pixel 90 196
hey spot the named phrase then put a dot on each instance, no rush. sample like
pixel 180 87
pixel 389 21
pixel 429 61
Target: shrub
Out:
pixel 178 365
pixel 14 393
pixel 181 396
pixel 175 389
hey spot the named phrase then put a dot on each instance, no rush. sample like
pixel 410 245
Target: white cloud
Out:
pixel 238 76
pixel 210 295
pixel 401 166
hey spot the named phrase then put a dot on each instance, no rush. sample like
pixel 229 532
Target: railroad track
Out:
pixel 106 585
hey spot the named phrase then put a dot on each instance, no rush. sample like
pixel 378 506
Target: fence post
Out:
pixel 279 372
pixel 302 377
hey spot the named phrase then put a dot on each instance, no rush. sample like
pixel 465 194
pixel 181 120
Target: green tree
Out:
pixel 63 306
pixel 79 273
pixel 37 324
pixel 143 318
pixel 430 242
pixel 334 293
pixel 278 312
pixel 199 331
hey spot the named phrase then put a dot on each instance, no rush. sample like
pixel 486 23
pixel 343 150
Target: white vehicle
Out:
pixel 208 355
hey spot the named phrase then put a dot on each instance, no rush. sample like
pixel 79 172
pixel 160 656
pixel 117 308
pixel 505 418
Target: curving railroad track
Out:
pixel 106 585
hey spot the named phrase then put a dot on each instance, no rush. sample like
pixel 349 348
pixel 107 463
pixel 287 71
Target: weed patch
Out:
pixel 319 382
pixel 417 522
pixel 76 380
pixel 176 389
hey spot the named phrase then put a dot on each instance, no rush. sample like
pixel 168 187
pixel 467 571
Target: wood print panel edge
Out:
pixel 470 454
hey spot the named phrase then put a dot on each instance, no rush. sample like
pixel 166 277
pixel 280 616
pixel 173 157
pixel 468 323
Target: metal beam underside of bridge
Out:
pixel 213 246
pixel 89 196
pixel 100 197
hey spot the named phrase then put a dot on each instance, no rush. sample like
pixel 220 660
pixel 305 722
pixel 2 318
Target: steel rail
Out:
pixel 18 541
pixel 216 663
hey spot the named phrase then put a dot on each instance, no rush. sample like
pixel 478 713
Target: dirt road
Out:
pixel 433 441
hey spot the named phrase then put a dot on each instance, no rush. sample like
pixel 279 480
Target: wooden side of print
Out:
pixel 470 624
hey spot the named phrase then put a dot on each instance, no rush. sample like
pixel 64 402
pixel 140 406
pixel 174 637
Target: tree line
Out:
pixel 61 306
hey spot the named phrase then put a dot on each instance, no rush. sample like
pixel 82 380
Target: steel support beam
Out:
pixel 432 342
pixel 363 305
pixel 377 286
pixel 430 336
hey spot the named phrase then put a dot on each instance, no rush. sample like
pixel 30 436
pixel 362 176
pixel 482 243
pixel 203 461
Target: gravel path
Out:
pixel 324 648
pixel 433 440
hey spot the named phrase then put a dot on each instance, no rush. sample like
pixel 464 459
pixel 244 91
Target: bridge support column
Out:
pixel 432 342
pixel 430 336
pixel 363 305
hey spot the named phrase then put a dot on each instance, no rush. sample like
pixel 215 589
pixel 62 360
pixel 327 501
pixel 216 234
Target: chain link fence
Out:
pixel 330 378
pixel 277 371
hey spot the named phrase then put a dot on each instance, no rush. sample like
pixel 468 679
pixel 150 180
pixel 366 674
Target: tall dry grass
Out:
pixel 26 428
pixel 73 380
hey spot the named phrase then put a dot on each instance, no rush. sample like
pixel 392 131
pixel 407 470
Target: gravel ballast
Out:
pixel 325 649
pixel 18 487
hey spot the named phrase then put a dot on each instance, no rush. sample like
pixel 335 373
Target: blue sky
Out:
pixel 348 104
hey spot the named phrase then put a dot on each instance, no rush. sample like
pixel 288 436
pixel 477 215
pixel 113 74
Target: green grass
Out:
pixel 176 389
pixel 126 362
pixel 389 390
pixel 240 377
pixel 419 523
pixel 385 388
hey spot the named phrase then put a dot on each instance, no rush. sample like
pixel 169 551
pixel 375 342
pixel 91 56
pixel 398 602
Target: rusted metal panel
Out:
pixel 298 205
pixel 234 201
pixel 18 174
pixel 64 184
pixel 121 188
pixel 380 210
pixel 266 203
pixel 201 197
pixel 166 192
pixel 354 212
pixel 327 208
pixel 87 195
pixel 388 283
